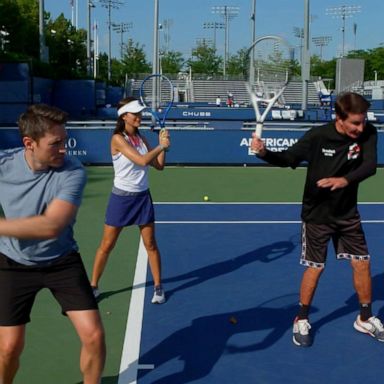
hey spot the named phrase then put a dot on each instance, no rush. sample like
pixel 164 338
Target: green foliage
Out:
pixel 205 61
pixel 134 60
pixel 117 72
pixel 238 64
pixel 172 62
pixel 20 19
pixel 102 67
pixel 66 45
pixel 67 50
pixel 323 69
pixel 374 61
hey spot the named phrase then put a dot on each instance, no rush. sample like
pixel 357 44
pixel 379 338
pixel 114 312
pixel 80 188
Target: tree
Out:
pixel 238 64
pixel 134 60
pixel 20 19
pixel 103 66
pixel 67 50
pixel 172 62
pixel 374 61
pixel 323 69
pixel 205 61
pixel 117 72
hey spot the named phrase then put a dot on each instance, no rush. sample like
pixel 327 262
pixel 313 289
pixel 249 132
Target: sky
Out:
pixel 364 29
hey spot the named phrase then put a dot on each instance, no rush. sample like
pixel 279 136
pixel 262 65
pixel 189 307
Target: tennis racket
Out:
pixel 157 93
pixel 268 68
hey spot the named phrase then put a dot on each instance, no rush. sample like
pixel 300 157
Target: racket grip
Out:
pixel 163 132
pixel 259 129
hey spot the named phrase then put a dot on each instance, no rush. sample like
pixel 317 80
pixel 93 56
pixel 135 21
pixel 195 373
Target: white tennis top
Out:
pixel 129 176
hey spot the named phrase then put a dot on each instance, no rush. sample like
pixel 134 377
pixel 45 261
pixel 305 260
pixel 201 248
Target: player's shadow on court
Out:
pixel 266 254
pixel 201 344
pixel 105 294
pixel 352 305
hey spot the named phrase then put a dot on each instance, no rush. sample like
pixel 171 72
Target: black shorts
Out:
pixel 65 277
pixel 347 236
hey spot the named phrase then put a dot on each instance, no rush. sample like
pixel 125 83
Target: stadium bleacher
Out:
pixel 206 91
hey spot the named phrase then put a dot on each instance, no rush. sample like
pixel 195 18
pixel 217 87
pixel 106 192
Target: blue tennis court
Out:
pixel 232 275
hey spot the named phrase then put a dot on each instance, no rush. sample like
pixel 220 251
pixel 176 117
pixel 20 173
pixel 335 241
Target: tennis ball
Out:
pixel 206 198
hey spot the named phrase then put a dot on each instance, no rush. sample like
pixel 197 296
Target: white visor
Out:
pixel 133 107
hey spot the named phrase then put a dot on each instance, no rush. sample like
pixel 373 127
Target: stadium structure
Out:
pixel 202 132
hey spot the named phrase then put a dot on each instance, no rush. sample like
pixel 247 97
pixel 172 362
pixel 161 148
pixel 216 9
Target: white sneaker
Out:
pixel 301 334
pixel 158 296
pixel 372 327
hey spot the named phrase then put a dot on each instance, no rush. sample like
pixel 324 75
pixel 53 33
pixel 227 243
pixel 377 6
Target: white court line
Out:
pixel 129 364
pixel 248 203
pixel 250 222
pixel 224 203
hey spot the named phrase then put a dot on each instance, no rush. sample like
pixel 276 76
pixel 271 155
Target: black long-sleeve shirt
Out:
pixel 330 154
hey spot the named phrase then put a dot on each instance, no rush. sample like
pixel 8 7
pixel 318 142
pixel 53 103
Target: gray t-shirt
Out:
pixel 25 193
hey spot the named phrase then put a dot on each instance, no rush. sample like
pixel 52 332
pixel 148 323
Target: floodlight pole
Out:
pixel 343 12
pixel 321 41
pixel 213 25
pixel 90 5
pixel 109 4
pixel 206 42
pixel 43 48
pixel 253 34
pixel 155 61
pixel 228 13
pixel 95 50
pixel 109 44
pixel 306 59
pixel 121 28
pixel 299 33
pixel 167 23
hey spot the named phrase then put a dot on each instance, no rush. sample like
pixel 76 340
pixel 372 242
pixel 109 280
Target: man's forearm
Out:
pixel 36 227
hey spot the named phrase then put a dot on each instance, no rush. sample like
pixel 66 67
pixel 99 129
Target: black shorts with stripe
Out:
pixel 347 236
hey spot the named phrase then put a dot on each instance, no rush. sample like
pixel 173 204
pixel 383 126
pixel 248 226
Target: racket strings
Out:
pixel 271 62
pixel 163 95
pixel 270 72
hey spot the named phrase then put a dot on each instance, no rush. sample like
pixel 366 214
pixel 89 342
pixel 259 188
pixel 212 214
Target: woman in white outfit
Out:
pixel 130 202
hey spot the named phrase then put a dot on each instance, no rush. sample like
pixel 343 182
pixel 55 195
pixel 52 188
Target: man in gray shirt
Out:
pixel 40 192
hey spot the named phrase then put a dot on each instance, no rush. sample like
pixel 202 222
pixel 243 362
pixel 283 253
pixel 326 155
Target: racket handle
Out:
pixel 259 129
pixel 162 132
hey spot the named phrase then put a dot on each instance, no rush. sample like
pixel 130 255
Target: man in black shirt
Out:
pixel 339 156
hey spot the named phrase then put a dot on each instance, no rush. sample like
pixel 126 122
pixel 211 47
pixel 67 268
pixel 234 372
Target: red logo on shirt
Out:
pixel 353 151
